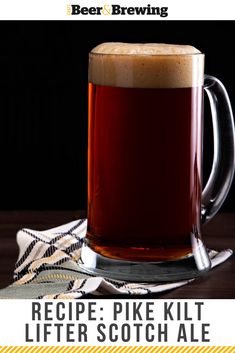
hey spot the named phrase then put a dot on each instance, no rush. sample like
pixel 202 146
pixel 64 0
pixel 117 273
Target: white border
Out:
pixel 177 9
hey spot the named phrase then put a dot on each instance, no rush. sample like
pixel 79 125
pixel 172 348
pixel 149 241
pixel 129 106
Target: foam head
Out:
pixel 150 65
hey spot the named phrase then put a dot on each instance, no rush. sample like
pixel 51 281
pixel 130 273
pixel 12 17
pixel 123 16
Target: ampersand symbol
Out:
pixel 106 10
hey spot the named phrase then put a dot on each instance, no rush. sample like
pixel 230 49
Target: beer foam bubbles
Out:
pixel 144 49
pixel 150 65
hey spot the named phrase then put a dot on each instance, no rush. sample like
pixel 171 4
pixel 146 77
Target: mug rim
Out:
pixel 147 55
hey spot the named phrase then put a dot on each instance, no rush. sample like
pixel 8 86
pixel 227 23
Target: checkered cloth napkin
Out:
pixel 47 267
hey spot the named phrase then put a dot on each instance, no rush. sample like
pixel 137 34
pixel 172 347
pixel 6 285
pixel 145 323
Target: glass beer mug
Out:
pixel 145 199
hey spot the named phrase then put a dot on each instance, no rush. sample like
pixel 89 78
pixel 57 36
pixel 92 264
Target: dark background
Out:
pixel 43 101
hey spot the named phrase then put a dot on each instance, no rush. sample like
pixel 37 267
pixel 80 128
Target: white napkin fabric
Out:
pixel 48 267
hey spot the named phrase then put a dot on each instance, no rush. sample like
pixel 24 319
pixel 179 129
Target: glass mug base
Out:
pixel 194 264
pixel 141 254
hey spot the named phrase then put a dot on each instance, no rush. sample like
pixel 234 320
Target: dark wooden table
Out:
pixel 218 234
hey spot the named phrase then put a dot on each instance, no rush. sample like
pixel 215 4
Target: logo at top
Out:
pixel 115 9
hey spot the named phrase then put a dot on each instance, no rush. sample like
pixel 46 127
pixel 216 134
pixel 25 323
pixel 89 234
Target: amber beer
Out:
pixel 144 153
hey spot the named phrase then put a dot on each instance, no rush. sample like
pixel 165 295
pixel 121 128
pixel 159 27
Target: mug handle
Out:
pixel 221 176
